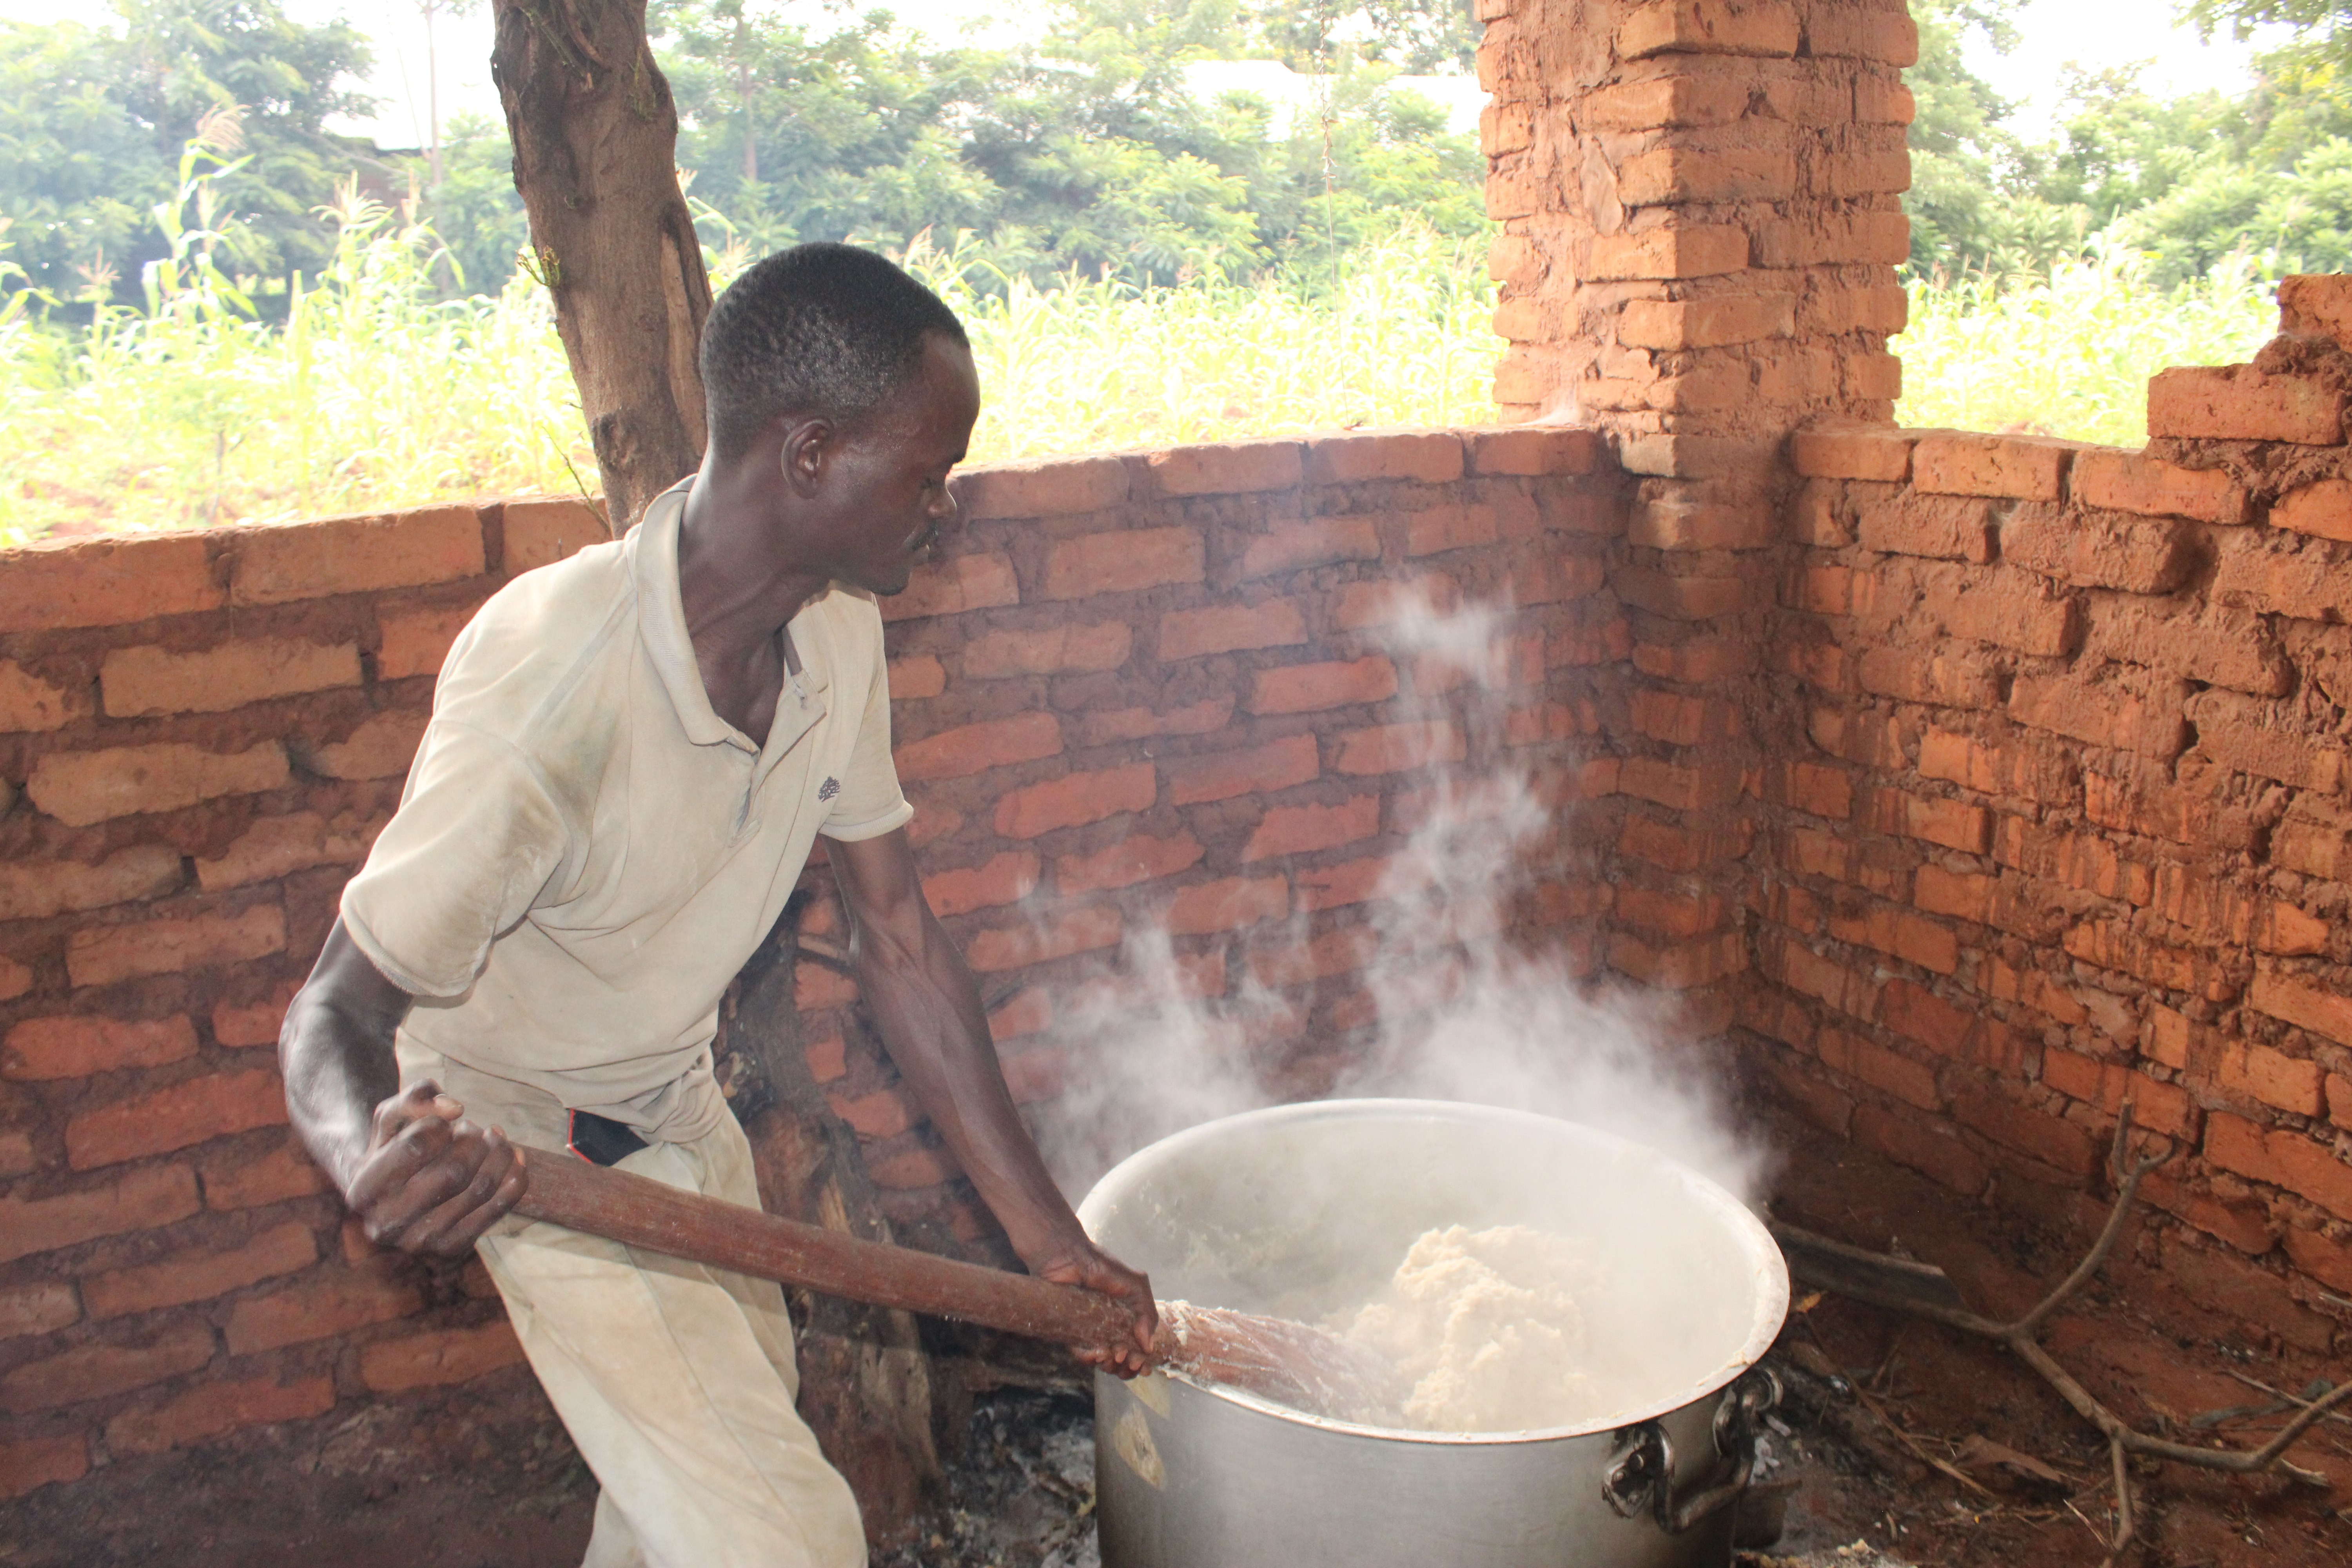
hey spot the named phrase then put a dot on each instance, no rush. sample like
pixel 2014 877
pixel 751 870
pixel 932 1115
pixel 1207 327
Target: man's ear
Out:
pixel 809 449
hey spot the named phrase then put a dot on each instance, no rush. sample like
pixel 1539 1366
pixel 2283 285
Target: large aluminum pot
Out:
pixel 1304 1210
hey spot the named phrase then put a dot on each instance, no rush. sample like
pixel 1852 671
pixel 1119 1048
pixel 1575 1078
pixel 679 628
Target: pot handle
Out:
pixel 1642 1475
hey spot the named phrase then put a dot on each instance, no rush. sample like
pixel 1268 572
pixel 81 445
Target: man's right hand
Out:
pixel 432 1181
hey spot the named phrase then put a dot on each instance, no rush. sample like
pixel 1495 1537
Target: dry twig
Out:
pixel 2022 1339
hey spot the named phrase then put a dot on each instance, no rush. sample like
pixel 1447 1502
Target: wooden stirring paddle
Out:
pixel 1275 1358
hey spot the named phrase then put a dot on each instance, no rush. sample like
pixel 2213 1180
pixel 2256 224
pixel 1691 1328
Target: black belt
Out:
pixel 601 1141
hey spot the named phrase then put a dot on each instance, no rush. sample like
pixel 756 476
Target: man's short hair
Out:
pixel 821 328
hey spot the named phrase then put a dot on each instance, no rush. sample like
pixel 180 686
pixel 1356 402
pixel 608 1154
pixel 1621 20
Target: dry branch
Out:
pixel 2022 1338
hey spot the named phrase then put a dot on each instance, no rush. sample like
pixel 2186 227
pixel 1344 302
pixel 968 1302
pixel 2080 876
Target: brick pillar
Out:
pixel 1700 202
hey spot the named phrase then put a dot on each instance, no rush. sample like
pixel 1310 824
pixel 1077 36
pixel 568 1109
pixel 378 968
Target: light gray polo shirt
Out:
pixel 586 853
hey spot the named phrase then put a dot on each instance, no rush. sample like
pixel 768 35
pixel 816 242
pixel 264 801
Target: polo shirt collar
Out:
pixel 661 623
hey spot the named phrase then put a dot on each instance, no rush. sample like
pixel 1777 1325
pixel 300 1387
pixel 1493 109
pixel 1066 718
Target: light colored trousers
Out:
pixel 676 1382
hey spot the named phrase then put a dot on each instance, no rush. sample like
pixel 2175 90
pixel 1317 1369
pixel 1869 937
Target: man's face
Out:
pixel 893 472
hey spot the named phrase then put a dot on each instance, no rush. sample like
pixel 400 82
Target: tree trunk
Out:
pixel 595 148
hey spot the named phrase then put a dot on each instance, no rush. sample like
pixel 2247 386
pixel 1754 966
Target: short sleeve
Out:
pixel 476 837
pixel 870 803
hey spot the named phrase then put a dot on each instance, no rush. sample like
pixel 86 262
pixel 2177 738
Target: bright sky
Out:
pixel 2094 33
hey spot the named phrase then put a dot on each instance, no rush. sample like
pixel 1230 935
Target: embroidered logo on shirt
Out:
pixel 828 789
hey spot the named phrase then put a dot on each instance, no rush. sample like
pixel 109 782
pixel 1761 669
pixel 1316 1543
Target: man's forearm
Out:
pixel 336 1051
pixel 927 1007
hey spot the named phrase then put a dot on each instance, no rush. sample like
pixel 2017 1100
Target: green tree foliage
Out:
pixel 1087 152
pixel 92 122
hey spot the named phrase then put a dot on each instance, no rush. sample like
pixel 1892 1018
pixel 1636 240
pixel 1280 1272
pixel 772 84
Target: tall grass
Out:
pixel 378 391
pixel 2069 353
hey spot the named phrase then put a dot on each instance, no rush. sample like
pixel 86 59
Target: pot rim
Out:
pixel 1770 1270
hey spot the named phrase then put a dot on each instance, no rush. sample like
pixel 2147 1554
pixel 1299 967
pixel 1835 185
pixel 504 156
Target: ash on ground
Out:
pixel 1022 1492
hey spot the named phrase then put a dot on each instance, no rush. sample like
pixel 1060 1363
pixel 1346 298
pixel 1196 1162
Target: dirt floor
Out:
pixel 484 1476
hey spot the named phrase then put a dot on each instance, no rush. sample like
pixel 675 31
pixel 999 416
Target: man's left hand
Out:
pixel 1084 1264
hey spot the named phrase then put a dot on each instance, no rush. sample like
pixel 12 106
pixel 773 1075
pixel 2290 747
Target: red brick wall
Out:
pixel 1133 683
pixel 2063 815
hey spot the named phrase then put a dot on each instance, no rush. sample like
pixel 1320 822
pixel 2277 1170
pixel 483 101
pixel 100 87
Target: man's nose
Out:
pixel 944 506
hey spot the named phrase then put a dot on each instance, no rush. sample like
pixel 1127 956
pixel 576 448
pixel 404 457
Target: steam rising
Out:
pixel 1455 1011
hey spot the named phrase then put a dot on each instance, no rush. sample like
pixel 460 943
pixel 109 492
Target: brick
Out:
pixel 1226 628
pixel 430 1360
pixel 1440 529
pixel 1053 487
pixel 1868 1062
pixel 1332 954
pixel 1397 748
pixel 953 587
pixel 1930 944
pixel 241 1023
pixel 1923 1146
pixel 1954 528
pixel 1319 542
pixel 1357 881
pixel 139 1200
pixel 2329 1262
pixel 1124 562
pixel 1666 176
pixel 1314 688
pixel 1716 320
pixel 2295 1000
pixel 976 748
pixel 1050 651
pixel 1001 879
pixel 1946 676
pixel 28 703
pixel 1029 1013
pixel 2322 508
pixel 1204 717
pixel 17 1154
pixel 41 889
pixel 416 642
pixel 1683 598
pixel 1676 523
pixel 175 1117
pixel 1138 859
pixel 539 531
pixel 1679 966
pixel 381 747
pixel 1883 237
pixel 2052 1141
pixel 1863 171
pixel 200 1274
pixel 135 682
pixel 2259 1073
pixel 2238 403
pixel 2209 642
pixel 276 845
pixel 95 1371
pixel 282 1173
pixel 101 956
pixel 1886 35
pixel 2282 1159
pixel 2108 945
pixel 2130 481
pixel 322 1307
pixel 886 1114
pixel 2305 584
pixel 1303 829
pixel 2099 550
pixel 1218 468
pixel 30 1463
pixel 1220 775
pixel 275 564
pixel 2110 705
pixel 1884 310
pixel 39 1306
pixel 2023 467
pixel 1072 932
pixel 1534 450
pixel 1430 457
pixel 1386 602
pixel 1709 28
pixel 1075 799
pixel 215 1409
pixel 1875 452
pixel 1655 102
pixel 78 1045
pixel 1671 251
pixel 2315 839
pixel 107 582
pixel 916 678
pixel 79 788
pixel 2248 735
pixel 1228 904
